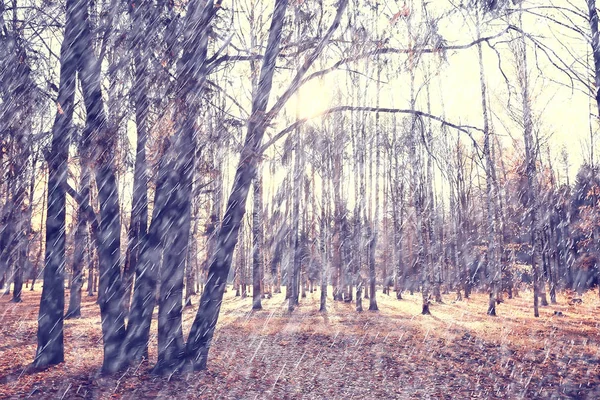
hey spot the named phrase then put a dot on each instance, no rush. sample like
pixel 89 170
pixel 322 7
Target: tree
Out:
pixel 203 327
pixel 50 349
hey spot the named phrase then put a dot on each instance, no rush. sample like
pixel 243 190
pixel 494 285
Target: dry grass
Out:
pixel 458 352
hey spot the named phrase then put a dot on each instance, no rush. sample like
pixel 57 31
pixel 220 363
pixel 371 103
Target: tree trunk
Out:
pixel 204 324
pixel 135 346
pixel 257 238
pixel 492 259
pixel 79 243
pixel 50 349
pixel 139 209
pixel 178 210
pixel 530 159
pixel 324 229
pixel 110 284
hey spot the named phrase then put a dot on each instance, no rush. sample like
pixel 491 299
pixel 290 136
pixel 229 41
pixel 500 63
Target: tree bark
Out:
pixel 79 243
pixel 139 210
pixel 204 324
pixel 50 349
pixel 257 243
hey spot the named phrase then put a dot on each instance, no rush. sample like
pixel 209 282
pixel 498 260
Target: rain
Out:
pixel 256 199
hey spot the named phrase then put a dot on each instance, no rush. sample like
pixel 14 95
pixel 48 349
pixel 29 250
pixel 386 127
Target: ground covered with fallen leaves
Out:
pixel 457 352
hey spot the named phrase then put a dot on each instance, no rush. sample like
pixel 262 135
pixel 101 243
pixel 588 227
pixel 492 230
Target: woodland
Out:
pixel 299 199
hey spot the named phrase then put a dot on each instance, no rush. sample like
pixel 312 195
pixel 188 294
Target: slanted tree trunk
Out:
pixel 204 324
pixel 171 212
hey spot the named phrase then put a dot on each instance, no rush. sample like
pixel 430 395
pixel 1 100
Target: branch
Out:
pixel 551 56
pixel 292 127
pixel 298 81
pixel 90 214
pixel 388 50
pixel 214 63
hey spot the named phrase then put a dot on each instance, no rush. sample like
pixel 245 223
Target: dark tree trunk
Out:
pixel 191 78
pixel 204 324
pixel 171 214
pixel 50 349
pixel 90 282
pixel 110 284
pixel 143 302
pixel 139 211
pixel 210 303
pixel 170 334
pixel 241 262
pixel 79 250
pixel 18 277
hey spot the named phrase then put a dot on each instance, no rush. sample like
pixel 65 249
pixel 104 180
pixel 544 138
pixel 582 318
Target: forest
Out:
pixel 299 199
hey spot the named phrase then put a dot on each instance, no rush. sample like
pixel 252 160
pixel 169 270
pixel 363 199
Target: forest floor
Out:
pixel 395 353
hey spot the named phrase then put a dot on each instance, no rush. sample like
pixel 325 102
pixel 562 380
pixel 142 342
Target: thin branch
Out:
pixel 388 50
pixel 333 110
pixel 91 215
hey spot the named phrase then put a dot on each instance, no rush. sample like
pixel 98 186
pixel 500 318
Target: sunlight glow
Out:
pixel 314 97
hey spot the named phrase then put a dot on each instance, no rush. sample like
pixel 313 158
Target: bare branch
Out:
pixel 333 110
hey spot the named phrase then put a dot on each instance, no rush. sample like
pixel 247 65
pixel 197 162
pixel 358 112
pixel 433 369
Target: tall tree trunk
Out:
pixel 257 239
pixel 110 284
pixel 139 209
pixel 375 221
pixel 38 257
pixel 79 242
pixel 210 303
pixel 90 262
pixel 192 256
pixel 339 212
pixel 492 261
pixel 204 324
pixel 50 349
pixel 324 229
pixel 135 346
pixel 530 160
pixel 170 333
pixel 595 43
